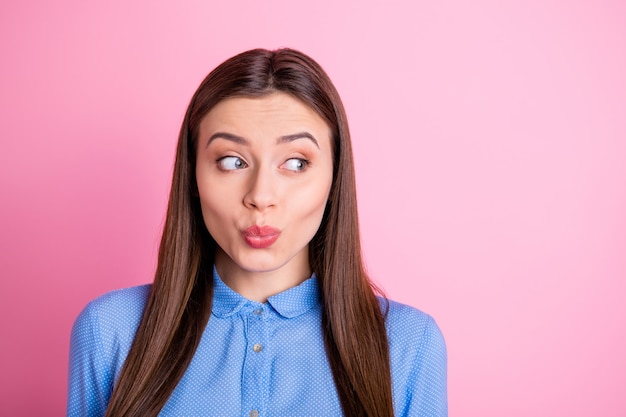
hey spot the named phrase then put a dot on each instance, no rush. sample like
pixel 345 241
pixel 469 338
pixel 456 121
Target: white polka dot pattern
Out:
pixel 254 359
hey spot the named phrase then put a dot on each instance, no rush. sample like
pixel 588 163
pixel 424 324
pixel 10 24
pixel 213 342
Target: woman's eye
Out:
pixel 231 163
pixel 295 164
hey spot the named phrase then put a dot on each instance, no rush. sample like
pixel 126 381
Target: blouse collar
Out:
pixel 289 303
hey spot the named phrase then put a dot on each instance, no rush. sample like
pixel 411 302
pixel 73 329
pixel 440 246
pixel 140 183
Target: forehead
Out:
pixel 275 114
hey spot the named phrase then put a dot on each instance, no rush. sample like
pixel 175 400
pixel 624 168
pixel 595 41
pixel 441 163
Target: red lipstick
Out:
pixel 260 237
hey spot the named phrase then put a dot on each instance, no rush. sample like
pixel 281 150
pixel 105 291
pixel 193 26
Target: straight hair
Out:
pixel 179 304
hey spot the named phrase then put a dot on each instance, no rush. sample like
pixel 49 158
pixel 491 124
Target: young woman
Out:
pixel 260 305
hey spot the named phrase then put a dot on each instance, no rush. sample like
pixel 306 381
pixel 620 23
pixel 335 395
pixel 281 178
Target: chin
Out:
pixel 259 264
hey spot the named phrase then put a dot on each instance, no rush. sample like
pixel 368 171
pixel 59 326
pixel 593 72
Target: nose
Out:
pixel 262 190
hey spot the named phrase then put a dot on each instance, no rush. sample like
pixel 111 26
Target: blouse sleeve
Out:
pixel 428 379
pixel 90 380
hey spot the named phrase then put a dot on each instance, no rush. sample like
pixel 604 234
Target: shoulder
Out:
pixel 112 317
pixel 418 357
pixel 126 298
pixel 101 338
pixel 413 335
pixel 117 305
pixel 402 319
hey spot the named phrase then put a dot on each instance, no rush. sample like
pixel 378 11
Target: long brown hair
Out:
pixel 179 305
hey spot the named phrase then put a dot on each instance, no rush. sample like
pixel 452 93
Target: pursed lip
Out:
pixel 260 237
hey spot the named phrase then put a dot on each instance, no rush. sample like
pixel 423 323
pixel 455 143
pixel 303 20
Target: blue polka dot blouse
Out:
pixel 254 359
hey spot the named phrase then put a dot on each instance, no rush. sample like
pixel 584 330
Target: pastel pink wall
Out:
pixel 490 141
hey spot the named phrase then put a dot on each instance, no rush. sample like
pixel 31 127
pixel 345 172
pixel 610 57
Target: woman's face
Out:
pixel 264 170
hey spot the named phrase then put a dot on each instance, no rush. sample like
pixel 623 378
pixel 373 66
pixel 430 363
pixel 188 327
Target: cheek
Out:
pixel 312 205
pixel 214 194
pixel 216 208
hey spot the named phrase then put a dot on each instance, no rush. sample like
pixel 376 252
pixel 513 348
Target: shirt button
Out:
pixel 257 348
pixel 254 413
pixel 258 311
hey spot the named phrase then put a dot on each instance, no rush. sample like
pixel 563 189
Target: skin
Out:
pixel 266 162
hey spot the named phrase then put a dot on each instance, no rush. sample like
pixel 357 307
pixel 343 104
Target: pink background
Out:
pixel 490 140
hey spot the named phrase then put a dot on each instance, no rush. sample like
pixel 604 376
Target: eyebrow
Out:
pixel 227 136
pixel 296 136
pixel 281 139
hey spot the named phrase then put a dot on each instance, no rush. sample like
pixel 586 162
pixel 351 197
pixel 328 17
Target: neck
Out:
pixel 262 284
